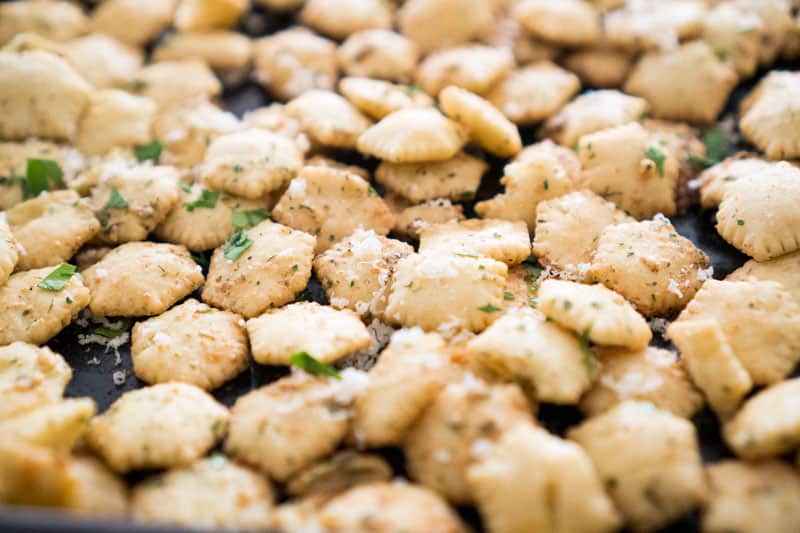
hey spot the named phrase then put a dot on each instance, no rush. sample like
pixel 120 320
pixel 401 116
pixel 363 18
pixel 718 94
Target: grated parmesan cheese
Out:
pixel 119 377
pixel 162 338
pixel 661 218
pixel 110 344
pixel 674 288
pixel 705 274
pixel 297 187
pixel 631 383
pixel 339 303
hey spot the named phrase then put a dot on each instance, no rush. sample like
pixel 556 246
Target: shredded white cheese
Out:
pixel 674 288
pixel 297 187
pixel 706 274
pixel 162 338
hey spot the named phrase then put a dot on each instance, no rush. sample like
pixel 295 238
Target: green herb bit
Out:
pixel 185 187
pixel 589 360
pixel 466 253
pixel 489 308
pixel 248 219
pixel 508 296
pixel 313 366
pixel 534 272
pixel 58 278
pixel 201 259
pixel 148 152
pixel 237 245
pixel 40 173
pixel 411 90
pixel 112 333
pixel 657 157
pixel 116 200
pixel 207 199
pixel 740 222
pixel 138 86
pixel 718 147
pixel 702 161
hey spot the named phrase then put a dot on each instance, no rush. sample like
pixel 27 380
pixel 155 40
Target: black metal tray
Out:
pixel 95 379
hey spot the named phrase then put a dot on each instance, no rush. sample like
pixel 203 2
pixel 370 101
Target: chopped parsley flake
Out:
pixel 508 295
pixel 201 259
pixel 237 245
pixel 532 279
pixel 40 173
pixel 207 199
pixel 740 222
pixel 657 157
pixel 112 333
pixel 138 86
pixel 411 90
pixel 589 360
pixel 58 278
pixel 489 308
pixel 115 200
pixel 466 253
pixel 313 366
pixel 248 219
pixel 718 147
pixel 185 187
pixel 533 274
pixel 148 152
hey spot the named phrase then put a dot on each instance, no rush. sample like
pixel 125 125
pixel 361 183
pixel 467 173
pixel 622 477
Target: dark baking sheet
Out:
pixel 93 366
